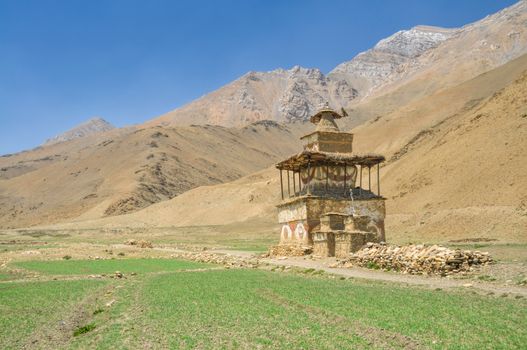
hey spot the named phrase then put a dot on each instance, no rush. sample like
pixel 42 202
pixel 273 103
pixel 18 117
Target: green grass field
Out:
pixel 35 307
pixel 248 309
pixel 5 276
pixel 80 267
pixel 253 236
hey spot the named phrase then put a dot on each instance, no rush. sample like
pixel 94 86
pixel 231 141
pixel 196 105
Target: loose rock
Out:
pixel 289 250
pixel 417 259
pixel 141 243
pixel 229 261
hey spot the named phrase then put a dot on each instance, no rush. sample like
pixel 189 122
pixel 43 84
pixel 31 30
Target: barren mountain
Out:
pixel 390 58
pixel 280 95
pixel 465 175
pixel 93 126
pixel 426 58
pixel 119 172
pixel 468 52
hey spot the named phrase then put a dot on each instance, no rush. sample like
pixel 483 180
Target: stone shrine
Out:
pixel 323 205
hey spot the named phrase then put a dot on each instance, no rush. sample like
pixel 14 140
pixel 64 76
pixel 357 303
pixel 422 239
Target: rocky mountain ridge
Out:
pixel 279 95
pixel 92 126
pixel 414 54
pixel 390 58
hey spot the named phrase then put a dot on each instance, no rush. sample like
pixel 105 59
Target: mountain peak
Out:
pixel 92 126
pixel 415 41
pixel 296 92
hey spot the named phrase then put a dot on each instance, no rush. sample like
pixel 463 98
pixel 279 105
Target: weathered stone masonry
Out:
pixel 322 205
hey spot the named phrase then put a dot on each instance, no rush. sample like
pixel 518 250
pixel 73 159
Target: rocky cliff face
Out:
pixel 390 58
pixel 307 90
pixel 93 126
pixel 280 95
pixel 295 94
pixel 434 57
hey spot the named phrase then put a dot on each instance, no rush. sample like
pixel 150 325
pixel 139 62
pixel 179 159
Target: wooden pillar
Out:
pixel 345 174
pixel 327 177
pixel 308 177
pixel 379 179
pixel 294 184
pixel 369 178
pixel 288 185
pixel 281 185
pixel 360 181
pixel 299 182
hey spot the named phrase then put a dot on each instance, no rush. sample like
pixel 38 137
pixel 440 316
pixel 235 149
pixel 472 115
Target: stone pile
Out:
pixel 141 243
pixel 417 259
pixel 226 260
pixel 289 250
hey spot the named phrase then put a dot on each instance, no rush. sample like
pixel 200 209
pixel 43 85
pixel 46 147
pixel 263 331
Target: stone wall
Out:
pixel 323 141
pixel 350 242
pixel 324 243
pixel 373 208
pixel 300 217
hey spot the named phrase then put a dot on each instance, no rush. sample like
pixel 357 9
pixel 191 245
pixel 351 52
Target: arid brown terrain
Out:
pixel 123 170
pixel 450 117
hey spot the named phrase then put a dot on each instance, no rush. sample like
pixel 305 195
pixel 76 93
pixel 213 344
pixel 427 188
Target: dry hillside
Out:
pixel 467 175
pixel 250 199
pixel 121 171
pixel 395 132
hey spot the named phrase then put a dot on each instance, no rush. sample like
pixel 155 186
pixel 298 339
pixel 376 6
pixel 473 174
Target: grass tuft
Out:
pixel 486 278
pixel 84 329
pixel 373 265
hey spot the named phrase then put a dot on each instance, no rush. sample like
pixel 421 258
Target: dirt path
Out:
pixel 431 282
pixel 376 275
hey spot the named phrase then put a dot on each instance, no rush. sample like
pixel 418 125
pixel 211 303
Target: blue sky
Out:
pixel 62 62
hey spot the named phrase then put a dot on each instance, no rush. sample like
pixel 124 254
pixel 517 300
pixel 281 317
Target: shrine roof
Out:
pixel 304 158
pixel 315 119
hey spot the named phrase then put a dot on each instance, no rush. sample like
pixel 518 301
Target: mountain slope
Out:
pixel 126 171
pixel 280 95
pixel 250 199
pixel 466 176
pixel 470 51
pixel 390 58
pixel 426 58
pixel 93 126
pixel 391 133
